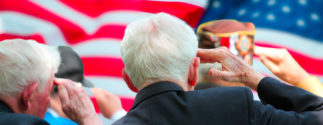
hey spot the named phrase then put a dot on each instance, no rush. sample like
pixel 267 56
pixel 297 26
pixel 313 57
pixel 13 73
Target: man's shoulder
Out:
pixel 222 97
pixel 223 92
pixel 200 106
pixel 20 119
pixel 134 118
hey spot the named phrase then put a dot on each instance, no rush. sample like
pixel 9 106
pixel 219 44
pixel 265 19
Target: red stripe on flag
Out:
pixel 187 12
pixel 70 31
pixel 75 34
pixel 93 8
pixel 95 104
pixel 102 66
pixel 36 37
pixel 107 31
pixel 111 31
pixel 310 64
pixel 126 103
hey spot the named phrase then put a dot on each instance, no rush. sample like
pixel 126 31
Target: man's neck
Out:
pixel 12 102
pixel 182 84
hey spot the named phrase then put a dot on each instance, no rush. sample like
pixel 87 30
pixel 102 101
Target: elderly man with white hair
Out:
pixel 161 62
pixel 27 71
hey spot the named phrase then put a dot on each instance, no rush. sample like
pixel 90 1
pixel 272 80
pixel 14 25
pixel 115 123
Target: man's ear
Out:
pixel 26 95
pixel 128 81
pixel 193 73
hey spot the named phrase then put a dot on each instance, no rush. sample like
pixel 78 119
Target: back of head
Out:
pixel 24 62
pixel 158 48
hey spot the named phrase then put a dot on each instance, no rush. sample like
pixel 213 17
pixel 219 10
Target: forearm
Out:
pixel 268 115
pixel 311 84
pixel 285 97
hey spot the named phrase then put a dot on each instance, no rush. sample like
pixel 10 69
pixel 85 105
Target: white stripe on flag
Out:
pixel 112 84
pixel 200 3
pixel 99 47
pixel 21 24
pixel 306 46
pixel 89 24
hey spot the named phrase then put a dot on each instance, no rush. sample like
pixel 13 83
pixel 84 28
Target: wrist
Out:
pixel 92 119
pixel 253 80
pixel 302 77
pixel 311 84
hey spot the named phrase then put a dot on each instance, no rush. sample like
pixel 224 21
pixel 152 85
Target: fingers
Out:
pixel 270 65
pixel 272 54
pixel 75 103
pixel 59 81
pixel 221 55
pixel 203 55
pixel 211 55
pixel 63 95
pixel 259 50
pixel 68 89
pixel 223 75
pixel 250 79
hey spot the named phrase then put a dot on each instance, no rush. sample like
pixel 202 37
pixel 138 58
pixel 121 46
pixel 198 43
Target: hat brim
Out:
pixel 87 83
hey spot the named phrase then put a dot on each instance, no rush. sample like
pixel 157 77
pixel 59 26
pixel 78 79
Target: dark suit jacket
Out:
pixel 7 117
pixel 165 103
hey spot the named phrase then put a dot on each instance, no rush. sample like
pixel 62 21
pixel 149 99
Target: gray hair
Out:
pixel 158 48
pixel 24 62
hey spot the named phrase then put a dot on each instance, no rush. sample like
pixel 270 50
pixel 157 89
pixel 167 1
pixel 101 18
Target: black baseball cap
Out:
pixel 71 66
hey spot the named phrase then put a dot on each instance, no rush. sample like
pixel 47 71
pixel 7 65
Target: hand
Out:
pixel 282 64
pixel 76 104
pixel 235 69
pixel 108 102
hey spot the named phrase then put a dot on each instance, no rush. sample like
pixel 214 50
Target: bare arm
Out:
pixel 283 65
pixel 108 103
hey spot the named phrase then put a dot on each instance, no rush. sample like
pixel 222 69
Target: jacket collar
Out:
pixel 4 107
pixel 154 89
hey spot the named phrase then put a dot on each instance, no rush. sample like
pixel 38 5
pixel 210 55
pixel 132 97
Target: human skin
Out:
pixel 281 64
pixel 76 104
pixel 235 69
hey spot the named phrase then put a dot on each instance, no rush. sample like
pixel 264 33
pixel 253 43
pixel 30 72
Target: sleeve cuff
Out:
pixel 117 115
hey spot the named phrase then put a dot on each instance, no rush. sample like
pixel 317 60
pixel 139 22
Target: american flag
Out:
pixel 93 28
pixel 293 24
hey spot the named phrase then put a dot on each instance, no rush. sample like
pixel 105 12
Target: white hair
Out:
pixel 158 48
pixel 23 62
